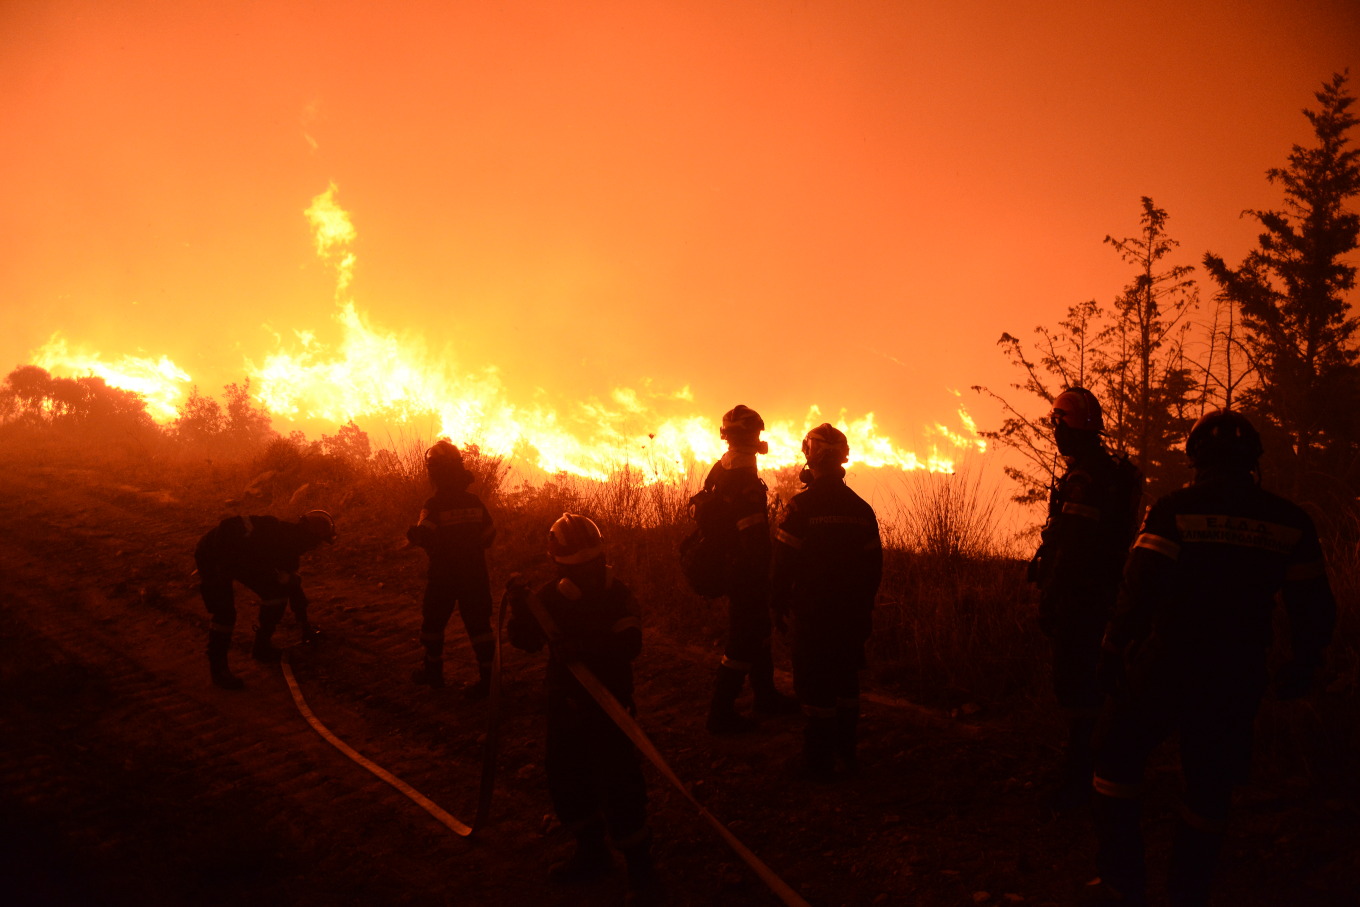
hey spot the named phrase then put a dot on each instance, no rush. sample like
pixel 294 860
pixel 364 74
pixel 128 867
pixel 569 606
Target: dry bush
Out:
pixel 642 523
pixel 955 618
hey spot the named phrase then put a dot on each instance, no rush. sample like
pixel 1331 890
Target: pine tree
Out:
pixel 1291 292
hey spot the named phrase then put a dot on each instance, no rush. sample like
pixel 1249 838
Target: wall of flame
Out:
pixel 377 376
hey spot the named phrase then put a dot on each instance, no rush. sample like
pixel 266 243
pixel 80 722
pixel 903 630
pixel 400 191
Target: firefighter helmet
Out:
pixel 575 539
pixel 443 454
pixel 741 423
pixel 319 525
pixel 826 446
pixel 1224 438
pixel 1077 408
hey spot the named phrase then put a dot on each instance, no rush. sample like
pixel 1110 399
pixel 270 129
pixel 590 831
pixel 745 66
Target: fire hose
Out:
pixel 606 701
pixel 489 748
pixel 629 726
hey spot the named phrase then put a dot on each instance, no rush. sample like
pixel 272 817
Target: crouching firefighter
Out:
pixel 1185 652
pixel 261 553
pixel 594 774
pixel 828 562
pixel 455 529
pixel 735 515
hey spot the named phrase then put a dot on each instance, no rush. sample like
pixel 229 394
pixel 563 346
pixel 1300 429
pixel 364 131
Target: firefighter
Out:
pixel 1092 516
pixel 738 518
pixel 455 529
pixel 828 561
pixel 594 775
pixel 261 553
pixel 1185 651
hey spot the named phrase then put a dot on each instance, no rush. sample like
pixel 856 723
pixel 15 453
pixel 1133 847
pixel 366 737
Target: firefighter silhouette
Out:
pixel 263 554
pixel 455 529
pixel 737 519
pixel 1092 516
pixel 594 773
pixel 1185 652
pixel 828 562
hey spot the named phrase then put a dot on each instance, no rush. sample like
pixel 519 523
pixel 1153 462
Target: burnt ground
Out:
pixel 126 778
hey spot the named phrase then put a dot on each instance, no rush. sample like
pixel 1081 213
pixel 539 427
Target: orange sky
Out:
pixel 779 203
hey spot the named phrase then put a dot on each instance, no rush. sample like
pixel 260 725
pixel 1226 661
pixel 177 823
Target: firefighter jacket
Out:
pixel 599 627
pixel 1200 584
pixel 1092 518
pixel 255 549
pixel 454 528
pixel 739 520
pixel 828 559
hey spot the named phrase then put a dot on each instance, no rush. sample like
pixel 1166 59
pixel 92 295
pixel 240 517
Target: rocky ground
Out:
pixel 126 778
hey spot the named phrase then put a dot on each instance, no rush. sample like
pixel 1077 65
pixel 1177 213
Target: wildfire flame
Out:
pixel 160 382
pixel 372 375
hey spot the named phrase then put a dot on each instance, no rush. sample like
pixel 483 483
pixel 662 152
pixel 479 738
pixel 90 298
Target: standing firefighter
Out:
pixel 455 530
pixel 262 553
pixel 828 561
pixel 594 776
pixel 1186 650
pixel 1092 515
pixel 734 517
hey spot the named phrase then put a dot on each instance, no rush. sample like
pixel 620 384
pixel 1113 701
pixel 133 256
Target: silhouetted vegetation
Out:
pixel 236 427
pixel 31 396
pixel 1279 344
pixel 1298 328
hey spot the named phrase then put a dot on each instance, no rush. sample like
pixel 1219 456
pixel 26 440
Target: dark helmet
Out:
pixel 443 454
pixel 575 539
pixel 444 465
pixel 826 446
pixel 741 423
pixel 1224 438
pixel 319 525
pixel 1077 408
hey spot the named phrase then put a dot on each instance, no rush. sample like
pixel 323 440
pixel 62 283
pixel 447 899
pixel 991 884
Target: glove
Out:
pixel 1295 679
pixel 419 536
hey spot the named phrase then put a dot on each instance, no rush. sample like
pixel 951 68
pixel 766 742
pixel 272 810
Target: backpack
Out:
pixel 706 555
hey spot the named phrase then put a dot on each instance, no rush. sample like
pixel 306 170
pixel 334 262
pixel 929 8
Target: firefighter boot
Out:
pixel 1194 854
pixel 588 862
pixel 723 717
pixel 218 644
pixel 644 885
pixel 1120 861
pixel 263 650
pixel 847 730
pixel 430 673
pixel 819 744
pixel 768 700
